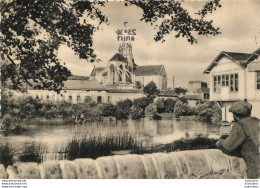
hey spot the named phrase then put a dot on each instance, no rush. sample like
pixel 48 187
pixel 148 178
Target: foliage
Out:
pixel 182 109
pixel 136 113
pixel 6 155
pixel 170 16
pixel 182 99
pixel 141 103
pixel 123 109
pixel 32 32
pixel 108 109
pixel 33 152
pixel 151 90
pixel 180 90
pixel 151 112
pixel 169 105
pixel 209 111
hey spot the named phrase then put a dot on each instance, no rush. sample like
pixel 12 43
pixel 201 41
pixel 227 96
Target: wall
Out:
pixel 105 96
pixel 186 164
pixel 159 80
pixel 226 66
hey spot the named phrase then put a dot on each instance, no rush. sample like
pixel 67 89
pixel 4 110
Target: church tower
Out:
pixel 126 50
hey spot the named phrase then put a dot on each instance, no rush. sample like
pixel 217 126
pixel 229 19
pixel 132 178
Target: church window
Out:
pixel 109 99
pixel 70 98
pixel 47 97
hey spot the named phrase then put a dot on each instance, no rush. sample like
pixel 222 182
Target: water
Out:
pixel 150 131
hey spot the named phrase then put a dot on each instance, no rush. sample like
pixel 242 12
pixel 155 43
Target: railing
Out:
pixel 211 163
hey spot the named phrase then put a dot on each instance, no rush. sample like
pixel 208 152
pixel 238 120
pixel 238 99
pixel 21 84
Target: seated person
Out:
pixel 243 137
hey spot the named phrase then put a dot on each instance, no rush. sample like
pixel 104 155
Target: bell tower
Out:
pixel 126 50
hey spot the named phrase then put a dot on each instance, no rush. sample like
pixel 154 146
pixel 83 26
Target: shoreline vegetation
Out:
pixel 18 111
pixel 98 146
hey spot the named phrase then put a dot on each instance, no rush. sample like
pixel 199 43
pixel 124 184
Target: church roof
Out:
pixel 96 70
pixel 118 57
pixel 148 70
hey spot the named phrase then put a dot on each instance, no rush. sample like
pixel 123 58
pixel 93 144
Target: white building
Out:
pixel 233 77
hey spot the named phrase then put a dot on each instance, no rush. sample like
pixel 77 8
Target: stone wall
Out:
pixel 210 163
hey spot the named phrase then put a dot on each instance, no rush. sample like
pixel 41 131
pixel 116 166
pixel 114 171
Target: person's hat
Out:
pixel 241 108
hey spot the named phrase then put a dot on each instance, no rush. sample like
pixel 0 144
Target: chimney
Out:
pixel 172 82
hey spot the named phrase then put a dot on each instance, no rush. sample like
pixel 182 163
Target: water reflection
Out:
pixel 151 131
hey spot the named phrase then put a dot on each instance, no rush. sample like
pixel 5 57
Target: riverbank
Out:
pixel 95 147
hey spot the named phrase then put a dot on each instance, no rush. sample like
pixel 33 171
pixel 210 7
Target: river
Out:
pixel 150 131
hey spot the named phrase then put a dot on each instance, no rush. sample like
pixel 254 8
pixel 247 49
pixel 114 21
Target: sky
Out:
pixel 240 32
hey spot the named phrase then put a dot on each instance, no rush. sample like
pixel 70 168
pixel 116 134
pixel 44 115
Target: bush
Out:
pixel 141 103
pixel 209 111
pixel 108 109
pixel 6 155
pixel 169 105
pixel 183 109
pixel 151 112
pixel 136 113
pixel 123 109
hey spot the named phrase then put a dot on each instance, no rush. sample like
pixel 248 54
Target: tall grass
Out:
pixel 33 152
pixel 6 155
pixel 96 146
pixel 181 145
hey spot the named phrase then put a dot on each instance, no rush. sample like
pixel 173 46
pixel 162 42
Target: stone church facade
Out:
pixel 121 70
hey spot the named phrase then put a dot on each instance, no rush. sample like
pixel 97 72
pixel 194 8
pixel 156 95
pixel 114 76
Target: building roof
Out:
pixel 193 97
pixel 148 70
pixel 240 58
pixel 76 77
pixel 96 70
pixel 254 66
pixel 168 93
pixel 197 81
pixel 82 85
pixel 118 57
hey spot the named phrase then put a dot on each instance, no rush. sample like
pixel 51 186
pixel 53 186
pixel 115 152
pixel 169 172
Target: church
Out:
pixel 121 78
pixel 122 71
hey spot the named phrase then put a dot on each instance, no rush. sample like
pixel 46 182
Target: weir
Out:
pixel 206 164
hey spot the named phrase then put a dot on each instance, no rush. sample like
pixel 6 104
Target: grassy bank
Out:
pixel 94 147
pixel 98 146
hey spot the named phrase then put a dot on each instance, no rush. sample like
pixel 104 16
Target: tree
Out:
pixel 123 109
pixel 183 109
pixel 180 90
pixel 141 103
pixel 151 112
pixel 169 105
pixel 150 90
pixel 32 31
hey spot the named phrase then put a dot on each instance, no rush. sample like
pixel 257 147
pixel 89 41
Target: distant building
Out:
pixel 122 70
pixel 233 77
pixel 120 79
pixel 199 88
